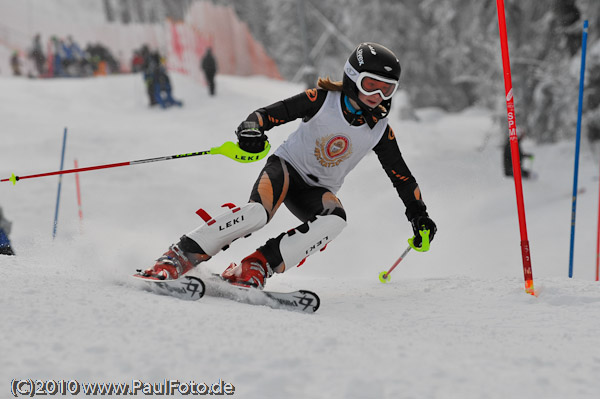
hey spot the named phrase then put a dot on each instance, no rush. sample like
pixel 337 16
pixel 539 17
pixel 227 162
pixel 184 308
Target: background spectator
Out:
pixel 209 66
pixel 15 63
pixel 37 55
pixel 5 227
pixel 507 158
pixel 158 83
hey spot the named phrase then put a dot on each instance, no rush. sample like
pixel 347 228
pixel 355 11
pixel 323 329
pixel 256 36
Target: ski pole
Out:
pixel 228 149
pixel 384 276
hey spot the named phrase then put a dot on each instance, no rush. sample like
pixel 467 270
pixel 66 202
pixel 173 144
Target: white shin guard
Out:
pixel 220 231
pixel 296 245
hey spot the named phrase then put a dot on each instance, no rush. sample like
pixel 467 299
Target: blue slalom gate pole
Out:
pixel 62 163
pixel 577 144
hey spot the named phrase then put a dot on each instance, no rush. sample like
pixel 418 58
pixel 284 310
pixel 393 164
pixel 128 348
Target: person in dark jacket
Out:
pixel 342 122
pixel 158 83
pixel 5 227
pixel 15 63
pixel 37 55
pixel 507 160
pixel 209 66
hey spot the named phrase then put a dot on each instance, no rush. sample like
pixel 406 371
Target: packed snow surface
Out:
pixel 454 322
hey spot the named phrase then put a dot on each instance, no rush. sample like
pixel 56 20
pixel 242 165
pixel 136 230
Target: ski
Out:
pixel 301 300
pixel 188 288
pixel 192 288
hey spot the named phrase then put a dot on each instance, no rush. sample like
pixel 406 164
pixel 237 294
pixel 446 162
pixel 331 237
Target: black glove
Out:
pixel 422 223
pixel 251 138
pixel 416 213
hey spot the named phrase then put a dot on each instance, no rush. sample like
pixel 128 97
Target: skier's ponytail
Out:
pixel 329 85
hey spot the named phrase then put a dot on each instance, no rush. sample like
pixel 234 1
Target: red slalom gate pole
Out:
pixel 514 149
pixel 77 186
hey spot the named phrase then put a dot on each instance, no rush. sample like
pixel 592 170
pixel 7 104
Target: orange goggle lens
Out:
pixel 371 85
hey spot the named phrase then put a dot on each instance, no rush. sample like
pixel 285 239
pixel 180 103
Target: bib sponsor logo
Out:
pixel 332 150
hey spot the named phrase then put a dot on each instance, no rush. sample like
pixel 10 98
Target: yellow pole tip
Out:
pixel 529 288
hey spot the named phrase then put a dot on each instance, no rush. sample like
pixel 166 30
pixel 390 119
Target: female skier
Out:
pixel 341 122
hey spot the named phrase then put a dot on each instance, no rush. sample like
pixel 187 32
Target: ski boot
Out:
pixel 251 272
pixel 174 263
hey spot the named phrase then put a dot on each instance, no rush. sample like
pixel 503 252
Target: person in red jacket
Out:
pixel 341 123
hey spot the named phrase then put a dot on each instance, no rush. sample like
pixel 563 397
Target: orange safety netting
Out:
pixel 207 25
pixel 183 43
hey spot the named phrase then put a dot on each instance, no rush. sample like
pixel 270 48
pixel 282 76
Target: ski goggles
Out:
pixel 370 83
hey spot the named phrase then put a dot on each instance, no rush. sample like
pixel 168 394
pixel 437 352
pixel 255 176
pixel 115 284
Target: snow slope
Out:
pixel 453 322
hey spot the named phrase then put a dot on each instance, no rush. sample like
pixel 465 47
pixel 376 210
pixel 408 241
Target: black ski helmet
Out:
pixel 373 58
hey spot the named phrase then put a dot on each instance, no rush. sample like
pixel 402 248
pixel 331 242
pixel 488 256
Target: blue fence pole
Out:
pixel 62 163
pixel 577 144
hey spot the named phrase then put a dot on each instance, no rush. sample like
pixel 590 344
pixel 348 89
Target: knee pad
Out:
pixel 308 238
pixel 222 230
